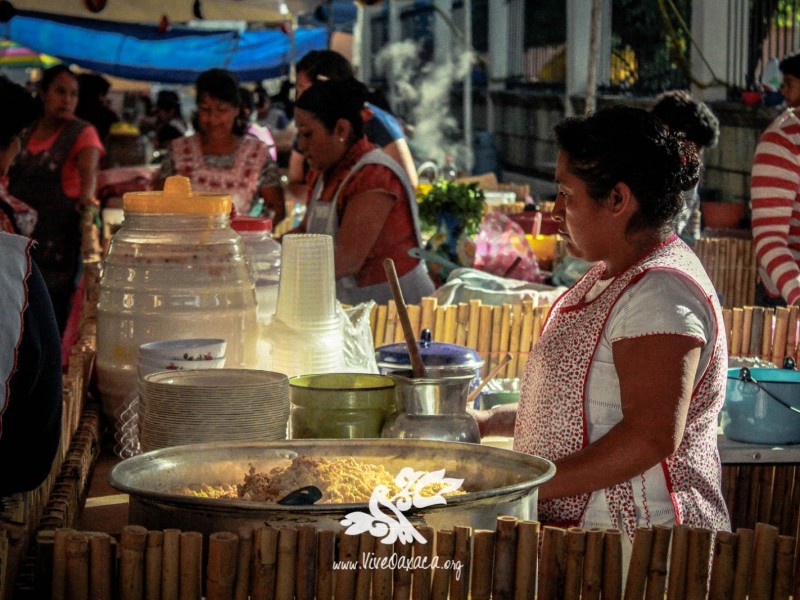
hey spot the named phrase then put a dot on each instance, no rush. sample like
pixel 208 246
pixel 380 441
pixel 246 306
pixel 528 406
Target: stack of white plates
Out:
pixel 212 405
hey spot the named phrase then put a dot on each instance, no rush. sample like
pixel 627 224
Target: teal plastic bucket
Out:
pixel 763 408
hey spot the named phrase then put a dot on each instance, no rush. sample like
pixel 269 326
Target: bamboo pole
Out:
pixel 791 337
pixel 439 333
pixel 551 564
pixel 676 585
pixel 306 566
pixel 326 542
pixel 58 585
pixel 381 312
pixel 100 571
pixel 612 564
pixel 745 539
pixel 639 564
pixel 766 334
pixel 756 331
pixel 592 585
pixel 505 551
pixel 462 546
pixel 485 335
pixel 462 323
pixel 659 560
pixel 401 579
pixel 391 323
pixel 747 324
pixel 575 543
pixel 727 321
pixel 722 567
pixel 761 579
pixel 366 547
pixel 382 577
pixel 505 335
pixel 450 314
pixel 440 585
pixel 482 552
pixel 473 326
pixel 265 558
pixel 344 581
pixel 781 335
pixel 191 565
pixel 736 336
pixel 513 342
pixel 784 564
pixel 698 567
pixel 241 590
pixel 223 550
pixel 421 583
pixel 153 561
pixel 527 559
pixel 77 568
pixel 428 316
pixel 131 562
pixel 170 564
pixel 414 317
pixel 286 566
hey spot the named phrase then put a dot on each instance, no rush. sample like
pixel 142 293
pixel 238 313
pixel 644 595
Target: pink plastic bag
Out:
pixel 498 244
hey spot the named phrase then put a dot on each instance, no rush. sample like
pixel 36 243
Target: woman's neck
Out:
pixel 219 145
pixel 636 245
pixel 47 126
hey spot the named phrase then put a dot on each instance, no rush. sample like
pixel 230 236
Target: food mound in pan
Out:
pixel 341 481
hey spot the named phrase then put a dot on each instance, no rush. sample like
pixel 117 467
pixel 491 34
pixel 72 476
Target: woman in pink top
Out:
pixel 56 174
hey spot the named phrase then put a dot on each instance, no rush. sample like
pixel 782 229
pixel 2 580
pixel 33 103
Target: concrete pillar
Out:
pixel 442 33
pixel 714 34
pixel 579 31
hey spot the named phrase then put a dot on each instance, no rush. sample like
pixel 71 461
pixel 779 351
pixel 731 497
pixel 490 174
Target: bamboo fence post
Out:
pixel 780 489
pixel 401 578
pixel 473 326
pixel 505 335
pixel 170 564
pixel 766 334
pixel 373 324
pixel 766 474
pixel 745 539
pixel 485 336
pixel 366 548
pixel 428 317
pixel 698 567
pixel 659 561
pixel 77 569
pixel 527 559
pixel 380 324
pixel 575 544
pixel 439 333
pixel 639 564
pixel 223 550
pixel 505 551
pixel 58 585
pixel 100 567
pixel 747 324
pixel 736 335
pixel 462 550
pixel 241 589
pixel 344 580
pixel 525 341
pixel 781 335
pixel 551 564
pixel 306 565
pixel 421 582
pixel 494 342
pixel 756 331
pixel 722 567
pixel 676 581
pixel 513 342
pixel 612 564
pixel 482 552
pixel 440 585
pixel 286 565
pixel 462 322
pixel 791 337
pixel 391 322
pixel 784 565
pixel 414 317
pixel 265 558
pixel 326 542
pixel 381 576
pixel 191 565
pixel 153 559
pixel 766 539
pixel 592 584
pixel 131 562
pixel 450 323
pixel 727 321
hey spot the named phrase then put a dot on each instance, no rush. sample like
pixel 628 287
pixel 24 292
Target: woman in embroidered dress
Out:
pixel 623 389
pixel 56 174
pixel 220 158
pixel 359 195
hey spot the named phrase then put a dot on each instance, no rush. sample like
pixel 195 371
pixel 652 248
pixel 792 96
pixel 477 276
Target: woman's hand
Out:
pixel 499 420
pixel 656 377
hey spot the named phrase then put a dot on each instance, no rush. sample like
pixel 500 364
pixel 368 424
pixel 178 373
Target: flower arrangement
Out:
pixel 463 203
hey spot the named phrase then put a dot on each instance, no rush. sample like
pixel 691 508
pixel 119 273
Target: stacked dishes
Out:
pixel 212 405
pixel 181 355
pixel 305 334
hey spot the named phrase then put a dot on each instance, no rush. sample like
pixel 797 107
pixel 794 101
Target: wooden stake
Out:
pixel 326 540
pixel 462 553
pixel 639 565
pixel 440 586
pixel 761 579
pixel 527 559
pixel 381 577
pixel 58 587
pixel 345 579
pixel 482 553
pixel 659 559
pixel 265 558
pixel 77 551
pixel 153 559
pixel 679 555
pixel 191 565
pixel 592 585
pixel 241 589
pixel 421 583
pixel 722 567
pixel 223 552
pixel 784 564
pixel 170 564
pixel 612 565
pixel 745 539
pixel 573 568
pixel 306 565
pixel 551 564
pixel 131 562
pixel 698 565
pixel 286 564
pixel 100 571
pixel 366 547
pixel 505 552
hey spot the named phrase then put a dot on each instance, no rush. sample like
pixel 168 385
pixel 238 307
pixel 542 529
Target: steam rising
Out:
pixel 422 94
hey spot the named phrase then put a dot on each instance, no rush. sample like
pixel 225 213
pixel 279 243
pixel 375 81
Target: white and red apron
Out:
pixel 240 181
pixel 551 421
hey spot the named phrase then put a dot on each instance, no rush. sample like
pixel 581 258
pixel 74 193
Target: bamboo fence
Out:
pixel 731 266
pixel 519 560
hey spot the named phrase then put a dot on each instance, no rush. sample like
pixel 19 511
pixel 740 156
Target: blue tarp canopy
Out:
pixel 178 55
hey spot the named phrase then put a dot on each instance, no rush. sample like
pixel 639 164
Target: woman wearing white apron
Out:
pixel 358 195
pixel 623 389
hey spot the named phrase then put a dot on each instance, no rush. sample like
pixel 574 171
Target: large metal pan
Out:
pixel 498 482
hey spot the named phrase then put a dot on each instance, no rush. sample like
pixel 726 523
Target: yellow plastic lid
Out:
pixel 176 199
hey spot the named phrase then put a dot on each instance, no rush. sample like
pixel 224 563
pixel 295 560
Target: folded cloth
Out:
pixel 464 285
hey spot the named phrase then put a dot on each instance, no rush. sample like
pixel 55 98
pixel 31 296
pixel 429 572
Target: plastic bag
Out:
pixel 359 349
pixel 499 243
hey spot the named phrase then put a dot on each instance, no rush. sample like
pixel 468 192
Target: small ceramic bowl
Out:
pixel 184 349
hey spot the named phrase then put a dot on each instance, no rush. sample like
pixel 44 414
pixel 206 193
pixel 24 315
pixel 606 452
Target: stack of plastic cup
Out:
pixel 305 335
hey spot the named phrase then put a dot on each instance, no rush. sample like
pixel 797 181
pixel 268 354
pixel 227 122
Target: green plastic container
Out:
pixel 340 405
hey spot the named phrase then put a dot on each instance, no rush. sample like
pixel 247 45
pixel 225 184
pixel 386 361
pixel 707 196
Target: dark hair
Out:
pixel 631 145
pixel 321 65
pixel 92 85
pixel 49 76
pixel 221 84
pixel 332 100
pixel 18 109
pixel 791 65
pixel 169 100
pixel 680 112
